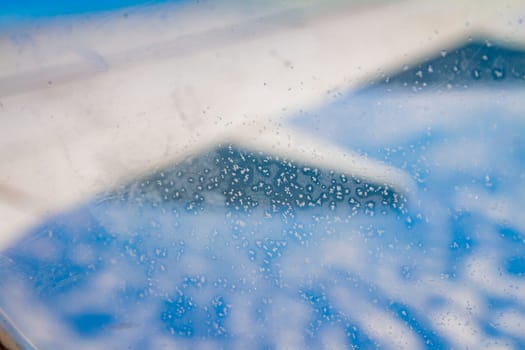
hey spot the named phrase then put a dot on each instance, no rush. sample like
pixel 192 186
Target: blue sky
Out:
pixel 47 8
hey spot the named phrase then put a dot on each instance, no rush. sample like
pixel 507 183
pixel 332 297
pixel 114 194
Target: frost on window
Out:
pixel 479 63
pixel 454 121
pixel 239 249
pixel 229 247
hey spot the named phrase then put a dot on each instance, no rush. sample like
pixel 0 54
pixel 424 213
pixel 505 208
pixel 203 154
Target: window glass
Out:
pixel 236 247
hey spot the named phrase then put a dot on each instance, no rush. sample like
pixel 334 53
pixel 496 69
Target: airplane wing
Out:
pixel 86 103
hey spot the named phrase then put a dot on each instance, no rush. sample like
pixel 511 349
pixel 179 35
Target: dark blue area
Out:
pixel 90 324
pixel 478 63
pixel 415 322
pixel 463 228
pixel 59 273
pixel 502 337
pixel 49 8
pixel 516 266
pixel 358 339
pixel 179 315
pixel 511 234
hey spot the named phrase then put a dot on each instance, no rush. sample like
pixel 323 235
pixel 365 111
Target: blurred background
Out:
pixel 278 175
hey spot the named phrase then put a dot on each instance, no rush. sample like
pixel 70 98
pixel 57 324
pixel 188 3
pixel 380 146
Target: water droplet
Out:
pixel 498 74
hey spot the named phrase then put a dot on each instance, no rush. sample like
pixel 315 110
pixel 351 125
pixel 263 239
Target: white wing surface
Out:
pixel 89 102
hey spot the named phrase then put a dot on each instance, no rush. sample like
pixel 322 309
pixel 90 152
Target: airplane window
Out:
pixel 203 250
pixel 238 245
